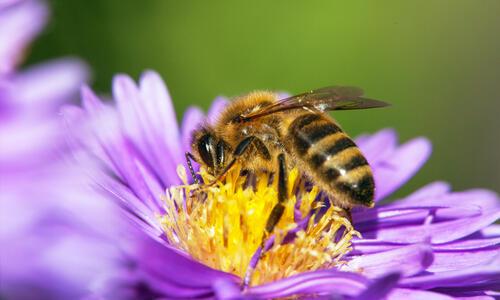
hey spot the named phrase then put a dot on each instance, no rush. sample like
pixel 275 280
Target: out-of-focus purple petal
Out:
pixel 438 233
pixel 403 163
pixel 27 143
pixel 217 106
pixel 408 294
pixel 44 87
pixel 480 275
pixel 318 282
pixel 379 146
pixel 408 261
pixel 193 117
pixel 19 23
pixel 431 190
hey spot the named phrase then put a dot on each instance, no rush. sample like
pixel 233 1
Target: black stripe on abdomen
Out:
pixel 321 131
pixel 355 162
pixel 339 145
pixel 309 129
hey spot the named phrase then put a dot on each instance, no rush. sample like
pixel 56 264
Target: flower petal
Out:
pixel 438 233
pixel 318 282
pixel 168 265
pixel 226 289
pixel 484 199
pixel 408 261
pixel 379 146
pixel 45 86
pixel 459 259
pixel 408 294
pixel 459 278
pixel 390 174
pixel 19 24
pixel 145 134
pixel 380 288
pixel 191 121
pixel 217 106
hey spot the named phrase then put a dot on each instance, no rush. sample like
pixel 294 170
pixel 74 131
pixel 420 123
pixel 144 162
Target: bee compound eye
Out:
pixel 206 149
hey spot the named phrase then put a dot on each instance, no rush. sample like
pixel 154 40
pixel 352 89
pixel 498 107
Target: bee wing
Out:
pixel 320 100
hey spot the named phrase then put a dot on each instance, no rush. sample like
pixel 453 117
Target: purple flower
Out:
pixel 51 243
pixel 433 243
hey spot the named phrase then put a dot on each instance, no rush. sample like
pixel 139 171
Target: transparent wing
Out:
pixel 320 100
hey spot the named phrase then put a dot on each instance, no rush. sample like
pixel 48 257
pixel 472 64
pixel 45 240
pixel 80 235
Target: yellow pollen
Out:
pixel 223 225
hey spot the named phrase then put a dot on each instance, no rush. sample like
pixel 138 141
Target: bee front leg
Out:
pixel 189 158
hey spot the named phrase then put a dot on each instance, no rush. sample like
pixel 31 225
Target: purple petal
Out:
pixel 429 191
pixel 368 246
pixel 127 160
pixel 226 289
pixel 408 261
pixel 160 108
pixel 193 117
pixel 140 127
pixel 217 106
pixel 408 294
pixel 459 260
pixel 402 164
pixel 491 231
pixel 468 244
pixel 484 199
pixel 458 278
pixel 368 222
pixel 380 288
pixel 438 233
pixel 154 92
pixel 168 265
pixel 326 281
pixel 19 24
pixel 379 146
pixel 28 143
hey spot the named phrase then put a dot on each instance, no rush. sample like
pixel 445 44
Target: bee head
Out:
pixel 210 150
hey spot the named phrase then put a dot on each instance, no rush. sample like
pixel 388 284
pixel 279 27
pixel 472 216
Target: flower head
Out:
pixel 432 243
pixel 223 227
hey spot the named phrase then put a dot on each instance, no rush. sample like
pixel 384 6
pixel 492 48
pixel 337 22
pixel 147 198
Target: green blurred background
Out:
pixel 437 62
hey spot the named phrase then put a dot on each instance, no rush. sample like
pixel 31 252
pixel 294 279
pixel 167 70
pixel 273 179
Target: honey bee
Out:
pixel 274 135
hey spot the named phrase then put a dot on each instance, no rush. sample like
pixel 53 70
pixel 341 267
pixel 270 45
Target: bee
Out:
pixel 274 135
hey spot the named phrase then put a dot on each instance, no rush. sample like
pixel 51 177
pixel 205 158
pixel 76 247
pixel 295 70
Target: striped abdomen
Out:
pixel 332 159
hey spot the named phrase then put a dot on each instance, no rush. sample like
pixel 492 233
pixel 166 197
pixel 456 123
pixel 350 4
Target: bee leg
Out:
pixel 279 208
pixel 190 157
pixel 274 217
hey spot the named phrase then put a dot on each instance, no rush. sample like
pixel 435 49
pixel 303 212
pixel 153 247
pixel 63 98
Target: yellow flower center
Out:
pixel 222 226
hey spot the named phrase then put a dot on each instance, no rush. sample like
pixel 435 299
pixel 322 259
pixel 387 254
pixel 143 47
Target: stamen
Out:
pixel 223 225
